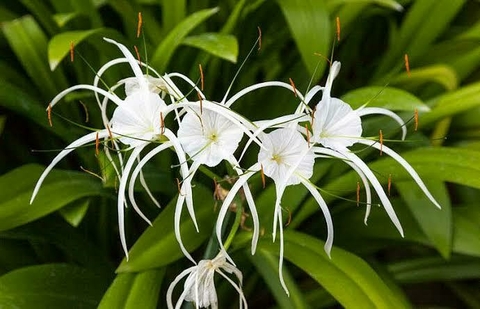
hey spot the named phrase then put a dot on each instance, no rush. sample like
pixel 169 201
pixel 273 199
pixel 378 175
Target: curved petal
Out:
pixel 406 166
pixel 78 143
pixel 382 111
pixel 174 283
pixel 111 96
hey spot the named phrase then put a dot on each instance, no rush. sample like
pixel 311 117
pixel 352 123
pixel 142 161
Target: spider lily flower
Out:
pixel 199 287
pixel 287 158
pixel 336 126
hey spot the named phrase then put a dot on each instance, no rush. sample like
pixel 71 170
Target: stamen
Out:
pixel 216 195
pixel 338 28
pixel 92 173
pixel 86 111
pixel 201 76
pixel 97 145
pixel 49 114
pixel 262 174
pixel 381 142
pixel 289 217
pixel 358 193
pixel 139 25
pixel 162 124
pixel 389 186
pixel 407 64
pixel 111 136
pixel 415 117
pixel 138 54
pixel 72 53
pixel 201 102
pixel 259 38
pixel 293 86
pixel 325 58
pixel 178 187
pixel 313 114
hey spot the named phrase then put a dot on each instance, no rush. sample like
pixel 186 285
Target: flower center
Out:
pixel 213 137
pixel 277 158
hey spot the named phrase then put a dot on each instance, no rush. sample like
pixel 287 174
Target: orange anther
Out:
pixel 358 193
pixel 72 53
pixel 259 38
pixel 338 28
pixel 201 76
pixel 389 185
pixel 289 220
pixel 139 25
pixel 308 134
pixel 381 142
pixel 415 117
pixel 407 64
pixel 293 86
pixel 322 56
pixel 178 187
pixel 262 174
pixel 97 144
pixel 49 114
pixel 110 135
pixel 137 53
pixel 162 124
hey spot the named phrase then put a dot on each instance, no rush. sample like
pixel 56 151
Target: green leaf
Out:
pixel 2 123
pixel 386 97
pixel 309 24
pixel 59 45
pixel 348 278
pixel 435 269
pixel 466 230
pixel 267 265
pixel 441 74
pixel 164 51
pixel 75 212
pixel 158 246
pixel 435 223
pixel 224 46
pixel 418 32
pixel 134 290
pixel 29 44
pixel 59 189
pixel 51 286
pixel 391 4
pixel 452 103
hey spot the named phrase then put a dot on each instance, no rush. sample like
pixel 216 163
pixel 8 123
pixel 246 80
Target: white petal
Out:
pixel 382 111
pixel 78 143
pixel 138 119
pixel 208 137
pixel 405 165
pixel 335 124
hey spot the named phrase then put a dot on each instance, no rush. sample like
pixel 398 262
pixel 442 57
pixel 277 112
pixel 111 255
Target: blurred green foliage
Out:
pixel 62 251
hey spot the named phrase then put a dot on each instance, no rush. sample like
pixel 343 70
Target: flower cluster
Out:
pixel 206 133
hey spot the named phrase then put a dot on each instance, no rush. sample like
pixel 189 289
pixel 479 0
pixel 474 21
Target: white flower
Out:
pixel 337 126
pixel 199 287
pixel 208 137
pixel 287 158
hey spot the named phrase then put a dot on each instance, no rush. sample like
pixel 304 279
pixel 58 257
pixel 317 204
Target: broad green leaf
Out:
pixel 309 24
pixel 391 4
pixel 59 45
pixel 20 102
pixel 134 290
pixel 29 44
pixel 173 12
pixel 59 189
pixel 42 13
pixel 417 32
pixel 75 212
pixel 221 45
pixel 435 223
pixel 267 266
pixel 441 74
pixel 430 269
pixel 467 292
pixel 466 230
pixel 158 246
pixel 166 48
pixel 51 286
pixel 348 278
pixel 452 103
pixel 64 18
pixel 2 123
pixel 53 231
pixel 386 97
